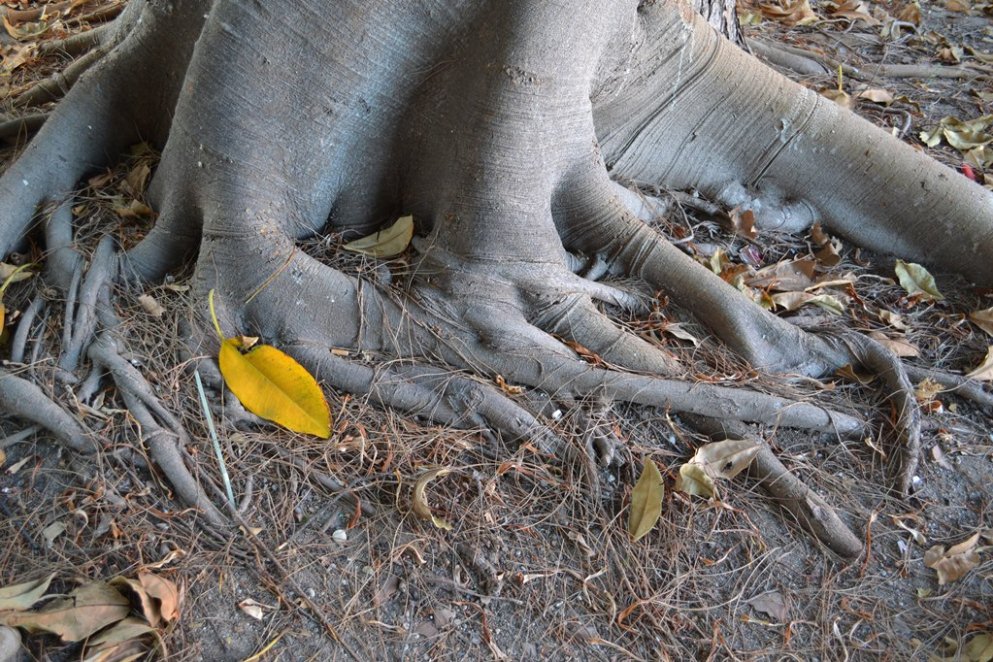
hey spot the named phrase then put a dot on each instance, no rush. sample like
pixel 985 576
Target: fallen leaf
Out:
pixel 133 209
pixel 898 346
pixel 927 390
pixel 876 95
pixel 137 179
pixel 646 502
pixel 693 480
pixel 17 274
pixel 830 253
pixel 86 610
pixel 420 501
pixel 984 372
pixel 957 6
pixel 893 319
pixel 917 281
pixel 790 13
pixel 508 388
pixel 386 243
pixel 743 223
pixel 151 306
pixel 979 649
pixel 722 459
pixel 252 608
pixel 952 564
pixel 840 97
pixel 270 384
pixel 787 276
pixel 679 331
pixel 52 531
pixel 24 595
pixel 983 319
pixel 791 301
pixel 125 630
pixel 772 604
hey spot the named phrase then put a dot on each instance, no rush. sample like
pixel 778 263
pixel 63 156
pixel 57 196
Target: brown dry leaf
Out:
pixel 910 13
pixel 979 649
pixel 15 56
pixel 678 330
pixel 772 604
pixel 787 276
pixel 927 390
pixel 983 319
pixel 137 178
pixel 17 274
pixel 898 346
pixel 984 372
pixel 791 301
pixel 126 640
pixel 133 209
pixel 252 609
pixel 852 10
pixel 386 243
pixel 646 502
pixel 852 374
pixel 151 306
pixel 24 595
pixel 917 281
pixel 86 610
pixel 830 253
pixel 790 12
pixel 963 135
pixel 876 95
pixel 26 31
pixel 164 592
pixel 952 564
pixel 893 319
pixel 722 459
pixel 508 388
pixel 420 501
pixel 960 6
pixel 743 223
pixel 840 97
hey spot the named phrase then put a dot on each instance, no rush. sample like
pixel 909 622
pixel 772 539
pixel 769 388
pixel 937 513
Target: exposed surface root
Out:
pixel 161 430
pixel 21 128
pixel 811 512
pixel 21 398
pixel 61 82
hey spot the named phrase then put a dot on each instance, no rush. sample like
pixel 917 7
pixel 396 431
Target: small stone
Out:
pixel 340 536
pixel 10 644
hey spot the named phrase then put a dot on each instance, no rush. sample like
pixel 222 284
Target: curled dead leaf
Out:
pixel 983 372
pixel 983 319
pixel 952 564
pixel 917 281
pixel 646 501
pixel 386 243
pixel 420 501
pixel 24 595
pixel 898 346
pixel 722 459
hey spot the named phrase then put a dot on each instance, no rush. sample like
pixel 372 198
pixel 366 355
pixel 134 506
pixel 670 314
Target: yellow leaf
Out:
pixel 270 384
pixel 916 280
pixel 420 503
pixel 984 372
pixel 646 502
pixel 693 480
pixel 12 276
pixel 386 243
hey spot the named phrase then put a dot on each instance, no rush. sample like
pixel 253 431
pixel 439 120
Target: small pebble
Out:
pixel 340 536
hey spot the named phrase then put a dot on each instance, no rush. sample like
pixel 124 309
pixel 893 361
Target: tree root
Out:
pixel 961 386
pixel 21 398
pixel 60 83
pixel 810 511
pixel 164 440
pixel 20 129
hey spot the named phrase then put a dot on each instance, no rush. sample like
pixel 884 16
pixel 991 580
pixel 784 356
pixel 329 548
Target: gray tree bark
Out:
pixel 501 125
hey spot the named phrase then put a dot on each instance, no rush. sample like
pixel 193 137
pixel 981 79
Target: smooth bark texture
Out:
pixel 501 125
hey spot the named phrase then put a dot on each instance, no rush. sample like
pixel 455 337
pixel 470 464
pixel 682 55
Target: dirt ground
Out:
pixel 539 564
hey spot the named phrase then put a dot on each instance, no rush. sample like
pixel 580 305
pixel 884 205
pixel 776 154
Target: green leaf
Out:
pixel 646 501
pixel 917 281
pixel 386 243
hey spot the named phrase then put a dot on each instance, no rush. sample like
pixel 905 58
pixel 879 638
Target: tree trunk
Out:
pixel 499 124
